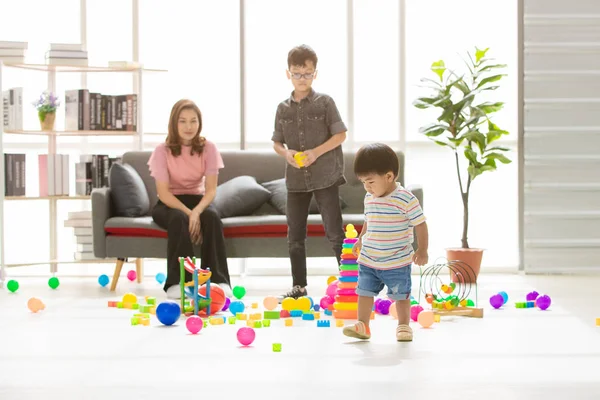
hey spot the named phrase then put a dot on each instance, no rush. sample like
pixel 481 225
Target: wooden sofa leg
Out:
pixel 139 269
pixel 115 279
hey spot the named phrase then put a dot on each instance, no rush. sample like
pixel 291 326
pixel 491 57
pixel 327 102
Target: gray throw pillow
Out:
pixel 128 193
pixel 278 198
pixel 239 196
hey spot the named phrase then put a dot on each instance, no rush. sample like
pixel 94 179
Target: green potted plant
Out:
pixel 46 106
pixel 465 127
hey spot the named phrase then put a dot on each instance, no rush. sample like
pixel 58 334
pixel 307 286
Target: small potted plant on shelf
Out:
pixel 46 106
pixel 465 127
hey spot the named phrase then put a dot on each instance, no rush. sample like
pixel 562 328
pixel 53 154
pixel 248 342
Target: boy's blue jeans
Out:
pixel 298 204
pixel 397 280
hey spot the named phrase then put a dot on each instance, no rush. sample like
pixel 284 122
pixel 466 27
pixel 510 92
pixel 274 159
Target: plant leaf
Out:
pixel 498 149
pixel 489 108
pixel 433 130
pixel 489 79
pixel 490 67
pixel 471 156
pixel 439 68
pixel 479 53
pixel 497 156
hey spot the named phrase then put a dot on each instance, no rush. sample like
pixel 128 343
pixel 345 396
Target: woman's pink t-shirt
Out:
pixel 185 173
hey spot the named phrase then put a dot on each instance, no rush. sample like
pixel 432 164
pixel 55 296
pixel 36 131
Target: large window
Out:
pixel 270 35
pixel 198 42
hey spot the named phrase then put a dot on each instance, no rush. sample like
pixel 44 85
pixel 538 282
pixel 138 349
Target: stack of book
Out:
pixel 12 102
pixel 66 54
pixel 13 52
pixel 81 222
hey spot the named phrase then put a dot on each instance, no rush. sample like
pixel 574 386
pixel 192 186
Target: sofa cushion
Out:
pixel 240 196
pixel 278 198
pixel 234 227
pixel 128 192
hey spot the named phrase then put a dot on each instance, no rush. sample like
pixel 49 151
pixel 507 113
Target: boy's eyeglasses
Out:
pixel 297 75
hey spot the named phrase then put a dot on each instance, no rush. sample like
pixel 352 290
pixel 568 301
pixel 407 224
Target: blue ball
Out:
pixel 168 313
pixel 504 296
pixel 103 280
pixel 160 278
pixel 236 307
pixel 317 307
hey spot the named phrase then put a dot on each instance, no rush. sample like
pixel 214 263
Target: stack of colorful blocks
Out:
pixel 346 300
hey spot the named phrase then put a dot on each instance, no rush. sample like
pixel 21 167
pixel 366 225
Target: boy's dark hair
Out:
pixel 376 158
pixel 299 55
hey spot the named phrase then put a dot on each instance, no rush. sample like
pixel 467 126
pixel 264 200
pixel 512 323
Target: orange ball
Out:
pixel 426 318
pixel 34 304
pixel 270 303
pixel 217 297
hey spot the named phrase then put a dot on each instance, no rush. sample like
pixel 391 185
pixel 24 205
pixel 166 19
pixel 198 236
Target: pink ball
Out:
pixel 194 324
pixel 246 336
pixel 131 275
pixel 415 311
pixel 326 302
pixel 332 289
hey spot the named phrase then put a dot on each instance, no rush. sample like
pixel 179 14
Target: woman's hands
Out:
pixel 194 227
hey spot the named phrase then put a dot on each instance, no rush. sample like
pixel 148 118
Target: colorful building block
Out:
pixel 271 315
pixel 119 304
pixel 241 316
pixel 254 305
pixel 250 323
pixel 266 323
pixel 323 323
pixel 295 313
pixel 150 300
pixel 145 321
pixel 112 304
pixel 257 324
pixel 135 320
pixel 436 317
pixel 284 314
pixel 277 347
pixel 597 321
pixel 339 323
pixel 256 316
pixel 217 320
pixel 289 322
pixel 317 315
pixel 328 312
pixel 308 317
pixel 153 310
pixel 232 320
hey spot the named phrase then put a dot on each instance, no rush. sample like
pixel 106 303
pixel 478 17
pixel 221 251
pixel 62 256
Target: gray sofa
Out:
pixel 262 234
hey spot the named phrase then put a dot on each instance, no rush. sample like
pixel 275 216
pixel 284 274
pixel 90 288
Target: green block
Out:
pixel 135 306
pixel 141 315
pixel 205 323
pixel 277 347
pixel 232 320
pixel 120 304
pixel 266 323
pixel 257 324
pixel 272 315
pixel 135 321
pixel 151 301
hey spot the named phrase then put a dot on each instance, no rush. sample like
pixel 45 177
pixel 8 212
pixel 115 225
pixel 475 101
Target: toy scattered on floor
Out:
pixel 331 279
pixel 383 306
pixel 246 336
pixel 103 280
pixel 426 318
pixel 140 319
pixel 597 321
pixel 131 275
pixel 226 305
pixel 168 313
pixel 414 312
pixel 53 282
pixel 236 307
pixel 543 302
pixel 270 303
pixel 194 324
pixel 504 296
pixel 316 307
pixel 323 323
pixel 160 277
pixel 239 292
pixel 525 304
pixel 217 297
pixel 531 296
pixel 277 347
pixel 497 301
pixel 453 298
pixel 12 286
pixel 192 290
pixel 35 305
pixel 129 298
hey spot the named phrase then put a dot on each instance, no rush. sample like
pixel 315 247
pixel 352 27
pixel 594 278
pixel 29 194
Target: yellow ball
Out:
pixel 463 303
pixel 331 279
pixel 129 298
pixel 303 303
pixel 288 304
pixel 445 288
pixel 449 305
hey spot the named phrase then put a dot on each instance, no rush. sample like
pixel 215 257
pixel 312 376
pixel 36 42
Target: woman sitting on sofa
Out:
pixel 186 169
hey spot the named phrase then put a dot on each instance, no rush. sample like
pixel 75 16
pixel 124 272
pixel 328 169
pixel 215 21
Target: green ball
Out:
pixel 239 292
pixel 413 302
pixel 13 286
pixel 53 282
pixel 470 303
pixel 453 285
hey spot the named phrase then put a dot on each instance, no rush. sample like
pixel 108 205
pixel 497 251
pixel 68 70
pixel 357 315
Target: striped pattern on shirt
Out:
pixel 387 244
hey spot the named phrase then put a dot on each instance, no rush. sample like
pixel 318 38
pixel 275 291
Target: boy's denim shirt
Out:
pixel 303 126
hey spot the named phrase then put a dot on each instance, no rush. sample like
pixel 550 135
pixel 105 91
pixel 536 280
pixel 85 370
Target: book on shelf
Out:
pixel 53 174
pixel 66 54
pixel 12 108
pixel 14 174
pixel 13 52
pixel 91 172
pixel 90 111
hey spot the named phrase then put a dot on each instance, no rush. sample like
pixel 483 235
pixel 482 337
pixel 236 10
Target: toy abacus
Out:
pixel 452 298
pixel 199 278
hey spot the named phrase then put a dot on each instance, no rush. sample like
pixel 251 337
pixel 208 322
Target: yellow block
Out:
pixel 254 305
pixel 345 306
pixel 153 310
pixel 250 323
pixel 289 322
pixel 216 321
pixel 339 323
pixel 256 317
pixel 597 321
pixel 241 316
pixel 317 315
pixel 436 317
pixel 145 321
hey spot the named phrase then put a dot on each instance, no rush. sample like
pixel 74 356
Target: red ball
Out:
pixel 216 295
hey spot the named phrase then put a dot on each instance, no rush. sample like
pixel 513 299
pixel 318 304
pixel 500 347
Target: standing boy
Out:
pixel 384 248
pixel 309 123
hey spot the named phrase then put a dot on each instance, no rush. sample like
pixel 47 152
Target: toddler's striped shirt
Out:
pixel 390 221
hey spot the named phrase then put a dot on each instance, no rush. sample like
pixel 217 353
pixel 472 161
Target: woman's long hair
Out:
pixel 173 140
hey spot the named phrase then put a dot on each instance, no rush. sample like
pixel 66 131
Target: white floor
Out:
pixel 78 348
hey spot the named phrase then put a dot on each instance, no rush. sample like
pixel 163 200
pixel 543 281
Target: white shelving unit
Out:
pixel 53 71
